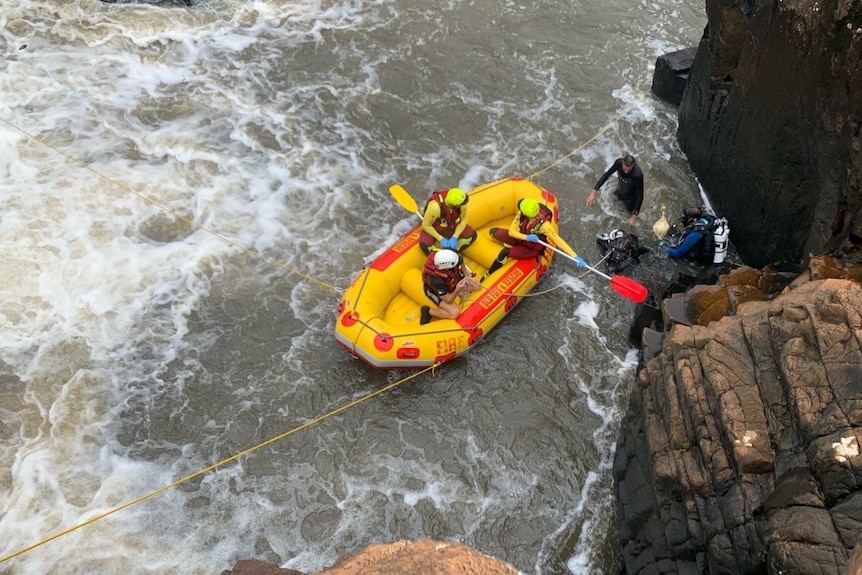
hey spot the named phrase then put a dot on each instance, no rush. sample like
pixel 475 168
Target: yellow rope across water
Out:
pixel 167 210
pixel 536 177
pixel 610 125
pixel 262 258
pixel 215 465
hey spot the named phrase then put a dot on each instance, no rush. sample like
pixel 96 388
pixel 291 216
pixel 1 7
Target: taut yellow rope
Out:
pixel 215 465
pixel 610 125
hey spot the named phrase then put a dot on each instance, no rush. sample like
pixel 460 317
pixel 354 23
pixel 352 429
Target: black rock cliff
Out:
pixel 770 122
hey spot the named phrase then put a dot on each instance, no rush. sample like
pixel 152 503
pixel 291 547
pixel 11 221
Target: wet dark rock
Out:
pixel 771 123
pixel 652 341
pixel 671 74
pixel 651 313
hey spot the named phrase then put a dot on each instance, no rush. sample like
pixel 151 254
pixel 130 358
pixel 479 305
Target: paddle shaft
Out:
pixel 626 287
pixel 562 253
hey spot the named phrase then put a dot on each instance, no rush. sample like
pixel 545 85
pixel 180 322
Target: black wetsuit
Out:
pixel 631 185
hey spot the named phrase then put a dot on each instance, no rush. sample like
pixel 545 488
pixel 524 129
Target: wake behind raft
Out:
pixel 378 317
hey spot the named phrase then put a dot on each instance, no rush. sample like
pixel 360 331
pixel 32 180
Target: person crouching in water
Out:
pixel 695 241
pixel 531 224
pixel 443 278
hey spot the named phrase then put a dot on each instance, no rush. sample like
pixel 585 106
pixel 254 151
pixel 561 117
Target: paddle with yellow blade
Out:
pixel 406 200
pixel 408 203
pixel 626 287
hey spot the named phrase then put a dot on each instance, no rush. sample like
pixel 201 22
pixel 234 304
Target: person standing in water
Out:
pixel 630 188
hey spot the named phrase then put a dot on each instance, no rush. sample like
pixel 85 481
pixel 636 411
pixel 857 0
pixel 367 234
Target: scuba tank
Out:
pixel 661 226
pixel 720 233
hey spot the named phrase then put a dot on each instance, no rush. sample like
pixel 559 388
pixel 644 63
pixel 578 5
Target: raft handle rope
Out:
pixel 467 328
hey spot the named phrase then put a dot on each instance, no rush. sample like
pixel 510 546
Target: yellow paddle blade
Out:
pixel 402 197
pixel 661 226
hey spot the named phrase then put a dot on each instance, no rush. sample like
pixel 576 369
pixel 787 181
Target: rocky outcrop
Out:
pixel 771 123
pixel 423 556
pixel 671 74
pixel 740 451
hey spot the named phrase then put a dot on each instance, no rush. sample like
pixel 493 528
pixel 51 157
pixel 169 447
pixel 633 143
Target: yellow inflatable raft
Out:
pixel 378 318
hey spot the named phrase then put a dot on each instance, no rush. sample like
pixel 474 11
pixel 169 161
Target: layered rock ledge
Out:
pixel 740 449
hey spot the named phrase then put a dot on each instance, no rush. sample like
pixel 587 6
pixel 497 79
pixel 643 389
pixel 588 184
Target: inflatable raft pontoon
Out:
pixel 378 318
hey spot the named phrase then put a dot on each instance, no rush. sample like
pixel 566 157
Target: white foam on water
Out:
pixel 603 381
pixel 84 288
pixel 210 137
pixel 586 313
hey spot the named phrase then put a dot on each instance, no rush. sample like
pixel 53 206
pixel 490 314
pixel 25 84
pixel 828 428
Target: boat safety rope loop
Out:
pixel 471 328
pixel 169 211
pixel 221 463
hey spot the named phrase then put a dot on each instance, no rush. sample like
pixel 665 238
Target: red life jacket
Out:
pixel 529 226
pixel 450 276
pixel 449 217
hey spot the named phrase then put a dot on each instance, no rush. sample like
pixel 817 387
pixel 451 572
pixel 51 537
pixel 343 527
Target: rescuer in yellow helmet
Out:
pixel 445 221
pixel 531 224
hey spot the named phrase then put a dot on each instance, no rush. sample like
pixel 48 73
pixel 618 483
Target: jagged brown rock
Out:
pixel 425 557
pixel 740 452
